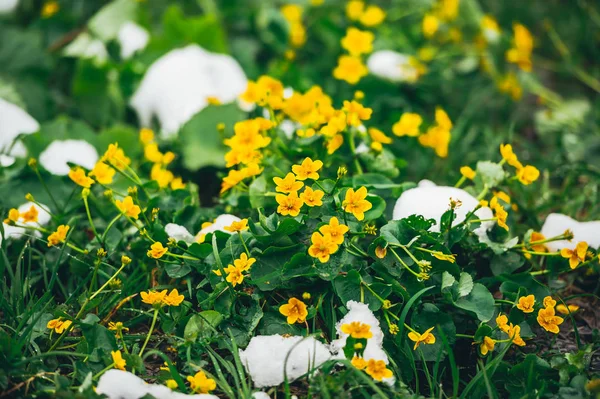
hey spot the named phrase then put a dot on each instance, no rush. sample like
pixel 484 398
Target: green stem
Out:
pixel 89 216
pixel 149 331
pixel 353 149
pixel 465 336
pixel 110 225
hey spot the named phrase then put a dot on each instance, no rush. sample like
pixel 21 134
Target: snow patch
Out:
pixel 8 6
pixel 13 122
pixel 132 38
pixel 557 223
pixel 18 232
pixel 265 357
pixel 391 65
pixel 79 152
pixel 178 84
pixel 118 384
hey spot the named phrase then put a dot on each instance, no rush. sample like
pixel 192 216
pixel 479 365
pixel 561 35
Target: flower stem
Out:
pixel 149 332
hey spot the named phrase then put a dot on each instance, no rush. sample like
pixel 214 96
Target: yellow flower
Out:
pixel 50 8
pixel 243 262
pixel 312 197
pixel 77 174
pixel 103 173
pixel 378 138
pixel 177 184
pixel 378 370
pixel 356 329
pixel 58 325
pixel 157 250
pixel 487 345
pixel 548 320
pixel 118 328
pixel 128 208
pixel 31 215
pixel 334 143
pixel 116 157
pixel 372 16
pixel 426 338
pixel 234 275
pixel 430 25
pixel 289 204
pixel 549 302
pixel 265 91
pixel 294 310
pixel 118 360
pixel 358 42
pixel 58 236
pixel 575 256
pixel 154 298
pixel 356 112
pixel 292 12
pixel 306 170
pixel 335 230
pixel 408 125
pixel 467 172
pixel 351 69
pixel 354 9
pixel 200 383
pixel 237 226
pixel 173 298
pixel 509 156
pixel 502 322
pixel 162 176
pixel 380 252
pixel 13 216
pixel 445 257
pixel 536 237
pixel 146 135
pixel 528 174
pixel 171 384
pixel 288 184
pixel 438 138
pixel 359 362
pixel 567 309
pixel 322 246
pixel 509 84
pixel 520 53
pixel 526 303
pixel 355 202
pixel 514 332
pixel 448 9
pixel 499 212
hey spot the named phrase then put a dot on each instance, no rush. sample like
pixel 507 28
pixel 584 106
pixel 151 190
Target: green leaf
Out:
pixel 267 273
pixel 465 284
pixel 377 209
pixel 256 191
pixel 491 174
pixel 447 280
pixel 404 230
pixel 348 288
pixel 506 263
pixel 201 143
pixel 202 325
pixel 100 341
pixel 177 270
pixel 479 301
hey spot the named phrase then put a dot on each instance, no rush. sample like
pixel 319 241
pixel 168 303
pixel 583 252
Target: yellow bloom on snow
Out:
pixel 59 235
pixel 288 184
pixel 575 256
pixel 351 69
pixel 358 42
pixel 526 303
pixel 103 173
pixel 467 172
pixel 536 237
pixel 355 202
pixel 13 216
pixel 359 362
pixel 157 250
pixel 128 208
pixel 335 230
pixel 322 246
pixel 289 204
pixel 548 320
pixel 294 310
pixel 200 383
pixel 358 330
pixel 29 216
pixel 307 169
pixel 426 338
pixel 408 125
pixel 77 174
pixel 312 197
pixel 118 360
pixel 487 345
pixel 237 226
pixel 171 384
pixel 378 370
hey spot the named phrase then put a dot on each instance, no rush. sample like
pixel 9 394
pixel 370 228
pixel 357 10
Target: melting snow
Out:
pixel 391 65
pixel 557 223
pixel 265 357
pixel 177 86
pixel 8 6
pixel 14 121
pixel 17 232
pixel 55 157
pixel 180 233
pixel 132 38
